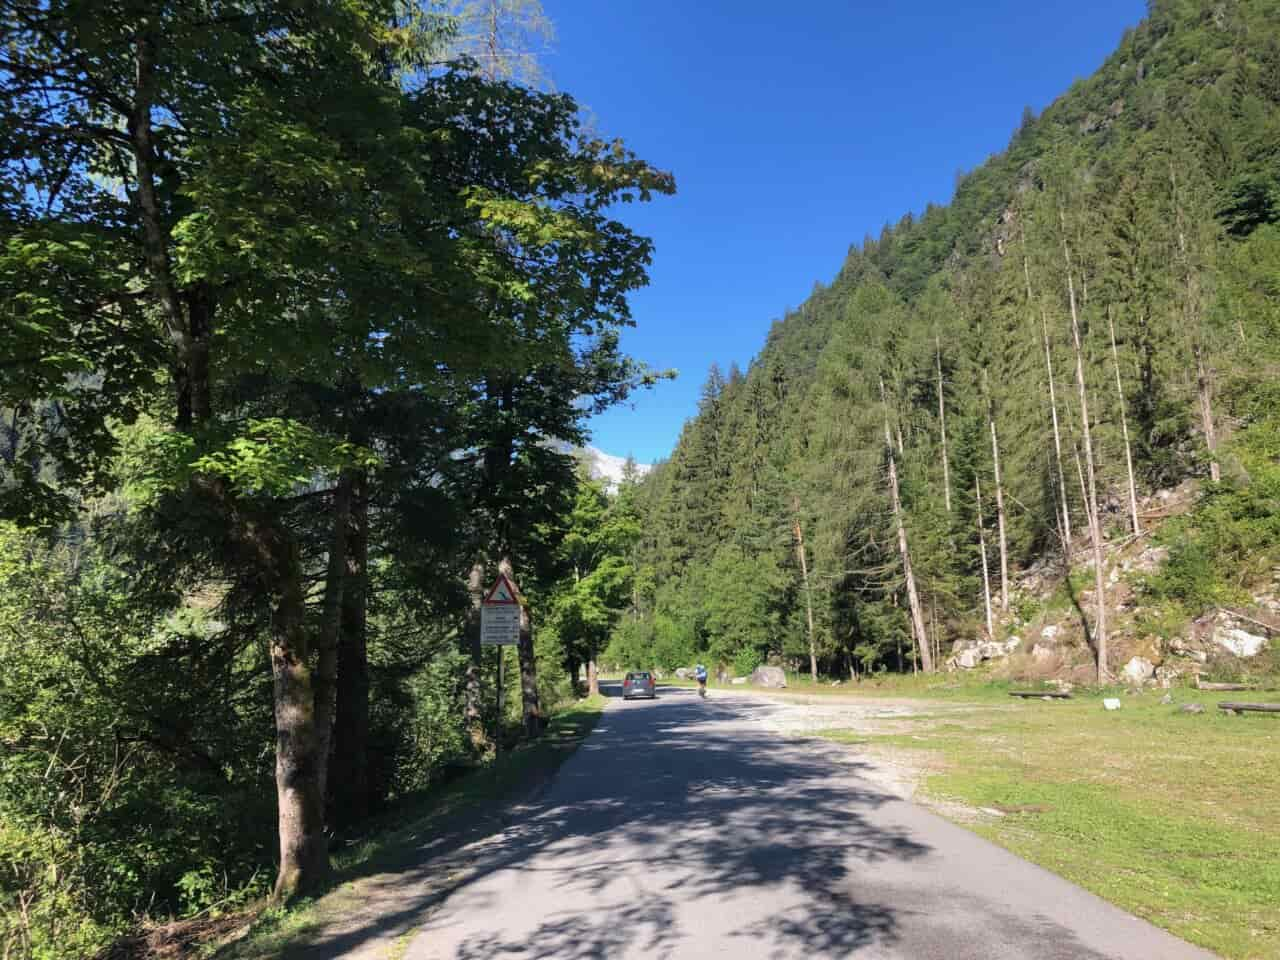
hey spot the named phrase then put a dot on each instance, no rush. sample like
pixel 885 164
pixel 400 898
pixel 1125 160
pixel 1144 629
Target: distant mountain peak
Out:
pixel 610 468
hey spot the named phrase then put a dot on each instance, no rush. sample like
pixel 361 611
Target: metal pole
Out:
pixel 498 742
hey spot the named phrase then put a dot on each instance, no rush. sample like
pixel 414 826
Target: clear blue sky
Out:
pixel 794 130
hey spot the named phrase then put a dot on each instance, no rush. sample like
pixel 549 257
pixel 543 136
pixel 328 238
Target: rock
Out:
pixel 991 650
pixel 836 683
pixel 1167 699
pixel 1191 708
pixel 1166 675
pixel 1150 559
pixel 773 677
pixel 1012 644
pixel 1051 631
pixel 968 659
pixel 738 680
pixel 1239 642
pixel 684 673
pixel 1139 670
pixel 1041 653
pixel 1111 703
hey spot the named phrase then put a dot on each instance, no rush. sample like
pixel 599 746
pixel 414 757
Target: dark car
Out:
pixel 638 685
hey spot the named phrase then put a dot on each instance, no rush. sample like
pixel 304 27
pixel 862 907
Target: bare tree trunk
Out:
pixel 942 420
pixel 1053 410
pixel 1095 519
pixel 1205 397
pixel 1057 437
pixel 349 779
pixel 593 677
pixel 531 705
pixel 986 576
pixel 1192 322
pixel 1124 428
pixel 995 460
pixel 913 599
pixel 808 598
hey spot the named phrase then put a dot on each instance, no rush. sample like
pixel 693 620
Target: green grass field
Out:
pixel 1174 817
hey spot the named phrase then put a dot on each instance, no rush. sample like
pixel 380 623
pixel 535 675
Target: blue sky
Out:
pixel 793 131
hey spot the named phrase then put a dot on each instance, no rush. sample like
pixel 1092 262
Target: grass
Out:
pixel 1172 816
pixel 965 687
pixel 392 840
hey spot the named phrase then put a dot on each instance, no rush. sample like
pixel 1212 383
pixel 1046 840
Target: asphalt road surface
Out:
pixel 681 829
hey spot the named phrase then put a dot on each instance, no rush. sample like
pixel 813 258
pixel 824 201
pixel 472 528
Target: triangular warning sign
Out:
pixel 502 591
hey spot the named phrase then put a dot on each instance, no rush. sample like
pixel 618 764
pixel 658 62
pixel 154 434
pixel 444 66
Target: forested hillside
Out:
pixel 999 381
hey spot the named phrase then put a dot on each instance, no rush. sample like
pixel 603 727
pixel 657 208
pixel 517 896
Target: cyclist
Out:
pixel 700 674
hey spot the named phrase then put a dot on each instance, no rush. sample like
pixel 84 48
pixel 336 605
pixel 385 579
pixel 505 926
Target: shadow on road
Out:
pixel 710 811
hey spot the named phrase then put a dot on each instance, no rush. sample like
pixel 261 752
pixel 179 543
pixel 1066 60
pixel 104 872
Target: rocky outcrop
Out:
pixel 1139 670
pixel 771 677
pixel 969 655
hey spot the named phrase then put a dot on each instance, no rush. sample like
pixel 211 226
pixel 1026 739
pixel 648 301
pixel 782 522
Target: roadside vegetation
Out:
pixel 392 841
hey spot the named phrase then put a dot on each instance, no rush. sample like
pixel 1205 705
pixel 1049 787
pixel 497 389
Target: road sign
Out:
pixel 500 615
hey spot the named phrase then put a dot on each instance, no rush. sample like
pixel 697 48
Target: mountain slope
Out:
pixel 1134 224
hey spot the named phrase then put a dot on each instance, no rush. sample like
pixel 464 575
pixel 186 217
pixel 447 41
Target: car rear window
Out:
pixel 639 676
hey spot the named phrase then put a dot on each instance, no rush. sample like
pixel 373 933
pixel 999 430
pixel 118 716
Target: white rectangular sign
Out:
pixel 499 624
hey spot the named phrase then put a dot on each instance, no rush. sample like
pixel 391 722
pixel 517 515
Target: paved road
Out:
pixel 680 829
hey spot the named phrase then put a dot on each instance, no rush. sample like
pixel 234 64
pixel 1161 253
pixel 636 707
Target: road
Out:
pixel 680 829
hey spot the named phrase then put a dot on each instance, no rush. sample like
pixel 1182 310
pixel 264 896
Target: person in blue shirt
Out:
pixel 700 674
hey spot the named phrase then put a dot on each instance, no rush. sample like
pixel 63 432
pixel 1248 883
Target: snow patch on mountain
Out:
pixel 607 467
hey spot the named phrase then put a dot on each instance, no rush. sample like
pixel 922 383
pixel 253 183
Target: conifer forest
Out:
pixel 305 307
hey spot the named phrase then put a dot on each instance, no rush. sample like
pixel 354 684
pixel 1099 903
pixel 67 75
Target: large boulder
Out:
pixel 1239 642
pixel 1139 670
pixel 769 677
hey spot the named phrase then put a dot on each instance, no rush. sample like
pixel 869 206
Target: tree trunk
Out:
pixel 986 576
pixel 913 598
pixel 1057 438
pixel 593 677
pixel 349 776
pixel 1124 428
pixel 808 598
pixel 942 421
pixel 1004 544
pixel 531 706
pixel 1095 519
pixel 472 705
pixel 304 851
pixel 1205 397
pixel 1192 323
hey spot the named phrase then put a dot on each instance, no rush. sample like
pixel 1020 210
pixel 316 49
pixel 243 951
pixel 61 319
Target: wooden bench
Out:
pixel 1238 708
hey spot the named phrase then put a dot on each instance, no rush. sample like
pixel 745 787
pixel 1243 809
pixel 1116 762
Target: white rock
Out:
pixel 1051 631
pixel 1012 643
pixel 739 680
pixel 1111 703
pixel 1239 642
pixel 968 659
pixel 1139 670
pixel 1041 653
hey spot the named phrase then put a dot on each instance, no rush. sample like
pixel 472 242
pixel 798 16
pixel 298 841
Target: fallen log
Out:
pixel 1249 707
pixel 1041 694
pixel 1205 685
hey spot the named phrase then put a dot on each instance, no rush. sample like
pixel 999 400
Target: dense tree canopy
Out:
pixel 298 322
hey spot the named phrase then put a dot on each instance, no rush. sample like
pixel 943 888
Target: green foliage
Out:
pixel 1231 540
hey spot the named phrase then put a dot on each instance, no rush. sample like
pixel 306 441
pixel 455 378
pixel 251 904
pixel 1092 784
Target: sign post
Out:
pixel 500 627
